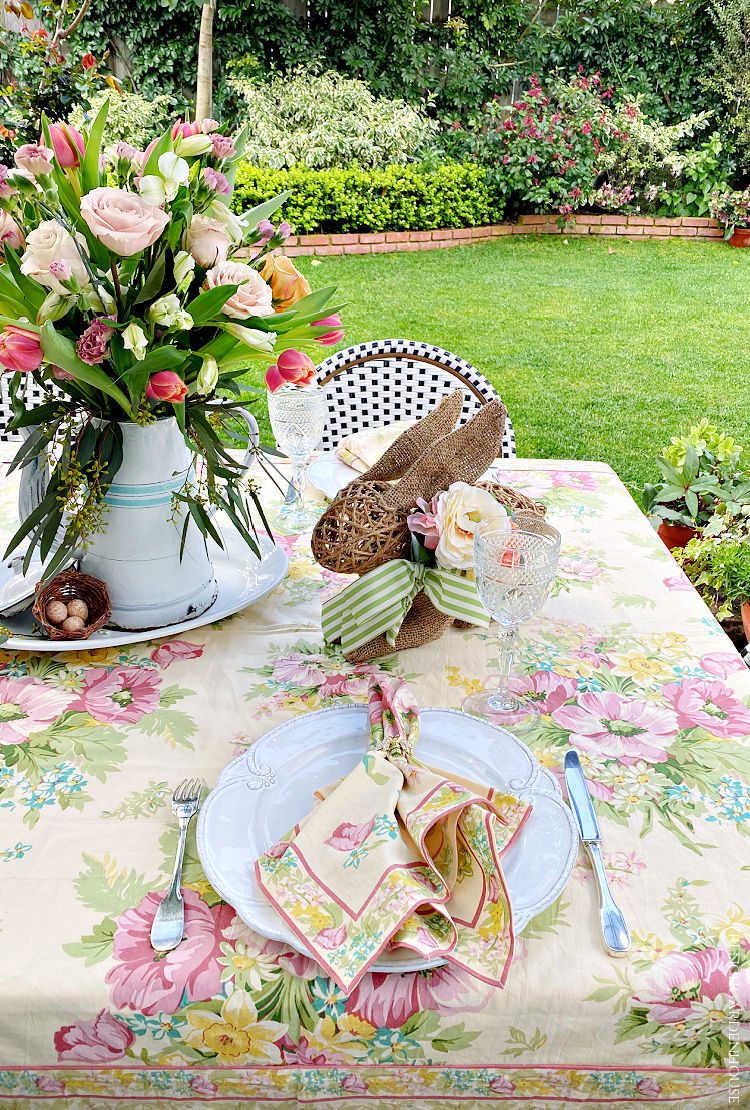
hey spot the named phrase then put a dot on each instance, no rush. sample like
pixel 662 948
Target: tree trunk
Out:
pixel 204 85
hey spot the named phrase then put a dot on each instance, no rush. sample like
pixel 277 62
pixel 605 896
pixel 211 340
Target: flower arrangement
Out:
pixel 122 288
pixel 443 529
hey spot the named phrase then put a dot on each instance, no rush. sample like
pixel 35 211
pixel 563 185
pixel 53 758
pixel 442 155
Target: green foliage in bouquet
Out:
pixel 121 289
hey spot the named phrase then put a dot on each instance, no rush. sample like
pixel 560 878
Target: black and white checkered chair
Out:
pixel 34 396
pixel 398 379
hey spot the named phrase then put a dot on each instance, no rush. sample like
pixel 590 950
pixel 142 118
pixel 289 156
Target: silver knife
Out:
pixel 614 930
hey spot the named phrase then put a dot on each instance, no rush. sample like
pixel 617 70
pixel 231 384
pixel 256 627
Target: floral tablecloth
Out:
pixel 628 666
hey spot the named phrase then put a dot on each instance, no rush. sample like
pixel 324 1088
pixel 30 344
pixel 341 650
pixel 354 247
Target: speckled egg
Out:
pixel 56 612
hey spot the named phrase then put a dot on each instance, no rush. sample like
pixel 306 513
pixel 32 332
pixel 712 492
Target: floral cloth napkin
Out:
pixel 398 855
pixel 362 450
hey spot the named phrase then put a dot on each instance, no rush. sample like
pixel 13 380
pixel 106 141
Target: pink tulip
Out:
pixel 331 337
pixel 291 366
pixel 20 350
pixel 67 144
pixel 166 386
pixel 185 130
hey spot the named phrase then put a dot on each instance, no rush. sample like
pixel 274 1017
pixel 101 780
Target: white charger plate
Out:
pixel 241 579
pixel 262 793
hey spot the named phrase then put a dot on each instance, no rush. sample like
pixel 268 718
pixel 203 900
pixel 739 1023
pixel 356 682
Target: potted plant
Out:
pixel 121 296
pixel 699 471
pixel 718 564
pixel 732 209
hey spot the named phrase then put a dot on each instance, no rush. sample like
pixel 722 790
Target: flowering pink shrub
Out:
pixel 547 151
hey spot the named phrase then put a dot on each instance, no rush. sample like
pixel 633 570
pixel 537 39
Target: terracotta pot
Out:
pixel 675 535
pixel 740 237
pixel 745 614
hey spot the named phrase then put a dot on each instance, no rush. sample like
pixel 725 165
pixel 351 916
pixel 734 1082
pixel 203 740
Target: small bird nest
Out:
pixel 72 586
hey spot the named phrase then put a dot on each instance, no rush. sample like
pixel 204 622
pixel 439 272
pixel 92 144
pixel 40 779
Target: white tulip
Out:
pixel 193 145
pixel 234 226
pixel 208 375
pixel 252 337
pixel 134 339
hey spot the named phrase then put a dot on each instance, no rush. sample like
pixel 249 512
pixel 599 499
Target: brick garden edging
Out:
pixel 379 242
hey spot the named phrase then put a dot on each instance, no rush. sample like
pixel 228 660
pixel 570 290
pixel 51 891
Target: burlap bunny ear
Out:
pixel 365 524
pixel 462 456
pixel 412 444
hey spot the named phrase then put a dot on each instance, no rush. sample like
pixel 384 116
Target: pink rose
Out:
pixel 292 367
pixel 202 1086
pixel 124 222
pixel 388 1000
pixel 165 385
pixel 142 980
pixel 35 158
pixel 679 979
pixel 610 724
pixel 346 836
pixel 94 1042
pixel 354 1085
pixel 10 232
pixel 20 350
pixel 253 296
pixel 67 144
pixel 425 522
pixel 167 653
pixel 335 335
pixel 49 1083
pixel 648 1087
pixel 209 125
pixel 208 241
pixel 331 938
pixel 93 346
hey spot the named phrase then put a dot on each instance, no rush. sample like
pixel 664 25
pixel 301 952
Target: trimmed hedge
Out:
pixel 396 198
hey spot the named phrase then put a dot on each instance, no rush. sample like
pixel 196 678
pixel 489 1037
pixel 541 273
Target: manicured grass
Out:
pixel 597 355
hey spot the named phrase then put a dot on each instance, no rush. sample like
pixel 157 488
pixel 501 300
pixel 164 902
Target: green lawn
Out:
pixel 597 355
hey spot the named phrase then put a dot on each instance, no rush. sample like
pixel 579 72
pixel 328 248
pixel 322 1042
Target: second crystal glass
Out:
pixel 514 571
pixel 297 415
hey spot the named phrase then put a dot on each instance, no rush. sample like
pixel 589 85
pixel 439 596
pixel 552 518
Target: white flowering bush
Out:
pixel 326 121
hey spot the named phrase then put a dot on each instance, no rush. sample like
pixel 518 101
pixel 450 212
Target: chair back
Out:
pixel 33 397
pixel 398 379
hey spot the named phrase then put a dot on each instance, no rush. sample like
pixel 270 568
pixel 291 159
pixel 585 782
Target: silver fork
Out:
pixel 169 920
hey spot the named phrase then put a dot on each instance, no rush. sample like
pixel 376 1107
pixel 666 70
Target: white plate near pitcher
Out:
pixel 265 791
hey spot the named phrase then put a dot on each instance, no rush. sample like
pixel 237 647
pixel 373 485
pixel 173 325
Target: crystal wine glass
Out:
pixel 514 570
pixel 297 415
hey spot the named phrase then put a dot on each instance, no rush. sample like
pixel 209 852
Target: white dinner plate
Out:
pixel 265 791
pixel 329 474
pixel 240 577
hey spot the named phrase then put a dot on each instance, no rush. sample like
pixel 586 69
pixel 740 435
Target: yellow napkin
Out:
pixel 398 855
pixel 363 449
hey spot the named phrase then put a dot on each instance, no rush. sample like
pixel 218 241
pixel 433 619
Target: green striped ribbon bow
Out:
pixel 380 599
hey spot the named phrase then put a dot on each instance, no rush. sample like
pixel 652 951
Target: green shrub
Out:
pixel 131 118
pixel 397 198
pixel 326 120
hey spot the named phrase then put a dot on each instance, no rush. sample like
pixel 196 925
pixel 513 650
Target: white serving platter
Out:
pixel 241 578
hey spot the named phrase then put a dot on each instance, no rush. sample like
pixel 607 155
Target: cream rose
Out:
pixel 123 221
pixel 208 241
pixel 253 297
pixel 459 510
pixel 50 242
pixel 287 283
